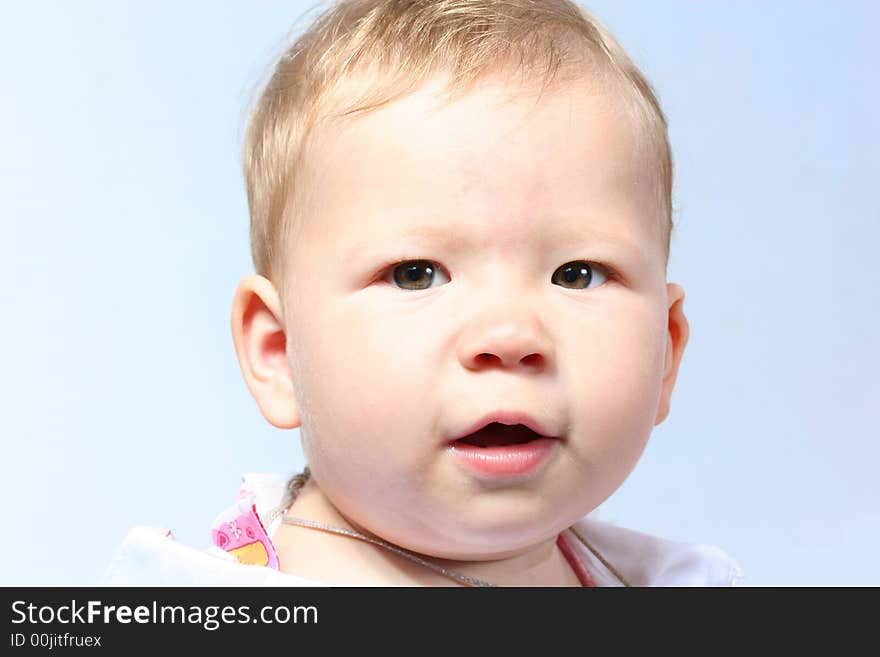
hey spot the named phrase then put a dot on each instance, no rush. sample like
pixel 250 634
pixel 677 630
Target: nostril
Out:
pixel 486 359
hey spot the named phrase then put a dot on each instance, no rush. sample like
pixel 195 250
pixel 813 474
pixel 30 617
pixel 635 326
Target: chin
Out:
pixel 476 539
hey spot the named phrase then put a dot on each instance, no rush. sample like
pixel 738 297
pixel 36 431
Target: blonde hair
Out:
pixel 403 43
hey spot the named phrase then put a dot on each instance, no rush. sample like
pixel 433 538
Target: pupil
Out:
pixel 571 274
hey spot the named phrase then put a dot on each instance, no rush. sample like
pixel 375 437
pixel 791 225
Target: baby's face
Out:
pixel 505 215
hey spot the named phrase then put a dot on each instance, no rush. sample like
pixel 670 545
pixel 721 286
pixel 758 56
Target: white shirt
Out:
pixel 151 557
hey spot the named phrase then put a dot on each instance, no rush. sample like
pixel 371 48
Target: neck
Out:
pixel 340 560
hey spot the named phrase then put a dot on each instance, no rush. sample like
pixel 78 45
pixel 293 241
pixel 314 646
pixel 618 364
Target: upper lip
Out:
pixel 509 418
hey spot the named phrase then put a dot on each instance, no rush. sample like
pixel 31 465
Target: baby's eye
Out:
pixel 414 274
pixel 578 274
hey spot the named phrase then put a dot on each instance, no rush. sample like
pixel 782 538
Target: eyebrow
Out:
pixel 567 234
pixel 421 233
pixel 599 238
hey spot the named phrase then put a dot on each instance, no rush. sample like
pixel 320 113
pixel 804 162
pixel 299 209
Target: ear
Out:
pixel 676 340
pixel 261 347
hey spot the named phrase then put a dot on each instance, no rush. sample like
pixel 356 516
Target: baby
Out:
pixel 460 223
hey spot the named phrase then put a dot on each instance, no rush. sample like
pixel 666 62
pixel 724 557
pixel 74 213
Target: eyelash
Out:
pixel 610 272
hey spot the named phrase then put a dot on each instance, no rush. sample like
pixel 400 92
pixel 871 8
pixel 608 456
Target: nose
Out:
pixel 505 338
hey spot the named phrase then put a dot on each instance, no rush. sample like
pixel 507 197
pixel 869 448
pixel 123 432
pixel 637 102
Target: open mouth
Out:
pixel 496 434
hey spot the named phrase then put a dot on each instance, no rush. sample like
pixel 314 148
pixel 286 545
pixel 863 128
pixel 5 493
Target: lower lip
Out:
pixel 505 460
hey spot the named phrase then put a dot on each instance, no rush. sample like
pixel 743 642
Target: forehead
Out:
pixel 499 165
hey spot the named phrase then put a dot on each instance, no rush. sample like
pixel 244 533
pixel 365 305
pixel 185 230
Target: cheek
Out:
pixel 629 362
pixel 373 357
pixel 365 384
pixel 618 379
pixel 369 406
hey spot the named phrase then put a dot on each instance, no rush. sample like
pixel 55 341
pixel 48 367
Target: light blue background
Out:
pixel 125 231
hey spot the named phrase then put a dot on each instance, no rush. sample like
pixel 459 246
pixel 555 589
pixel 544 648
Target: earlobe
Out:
pixel 677 336
pixel 261 348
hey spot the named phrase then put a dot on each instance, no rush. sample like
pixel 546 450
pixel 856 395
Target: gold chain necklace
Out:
pixel 298 481
pixel 294 487
pixel 412 556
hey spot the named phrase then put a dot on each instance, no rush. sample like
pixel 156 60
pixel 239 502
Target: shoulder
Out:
pixel 619 555
pixel 149 556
